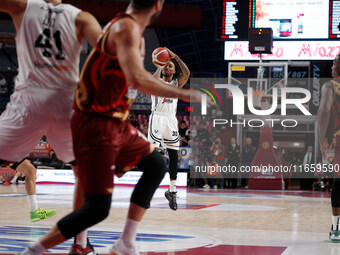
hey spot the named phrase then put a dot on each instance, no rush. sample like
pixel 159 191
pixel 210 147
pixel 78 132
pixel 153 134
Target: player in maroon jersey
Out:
pixel 329 127
pixel 105 143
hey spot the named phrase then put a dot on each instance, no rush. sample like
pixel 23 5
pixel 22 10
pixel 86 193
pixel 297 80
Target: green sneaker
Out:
pixel 334 236
pixel 42 214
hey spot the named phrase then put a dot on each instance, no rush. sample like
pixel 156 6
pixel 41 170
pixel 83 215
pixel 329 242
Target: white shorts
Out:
pixel 29 115
pixel 163 130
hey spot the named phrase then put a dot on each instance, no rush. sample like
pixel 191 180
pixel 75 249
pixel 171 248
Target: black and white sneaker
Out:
pixel 171 196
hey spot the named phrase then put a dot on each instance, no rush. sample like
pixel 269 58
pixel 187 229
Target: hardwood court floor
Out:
pixel 236 222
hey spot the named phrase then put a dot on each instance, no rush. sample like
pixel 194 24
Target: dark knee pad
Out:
pixel 154 169
pixel 94 210
pixel 173 165
pixel 335 196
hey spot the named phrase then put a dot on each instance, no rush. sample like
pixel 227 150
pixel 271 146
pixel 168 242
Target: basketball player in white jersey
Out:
pixel 163 125
pixel 48 41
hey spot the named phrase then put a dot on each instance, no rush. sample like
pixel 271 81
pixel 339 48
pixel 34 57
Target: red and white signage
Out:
pixel 285 50
pixel 42 150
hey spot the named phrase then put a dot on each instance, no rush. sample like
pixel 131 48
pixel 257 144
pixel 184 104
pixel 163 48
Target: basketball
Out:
pixel 160 56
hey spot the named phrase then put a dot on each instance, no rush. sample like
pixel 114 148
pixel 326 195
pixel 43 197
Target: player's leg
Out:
pixel 148 160
pixel 334 234
pixel 94 161
pixel 171 142
pixel 60 137
pixel 15 178
pixel 95 209
pixel 81 244
pixel 20 130
pixel 154 168
pixel 30 172
pixel 171 194
pixel 173 168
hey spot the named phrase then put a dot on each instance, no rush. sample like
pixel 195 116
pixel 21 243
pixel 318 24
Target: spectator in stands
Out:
pixel 193 132
pixel 134 121
pixel 145 131
pixel 233 153
pixel 202 131
pixel 307 177
pixel 188 135
pixel 182 128
pixel 195 146
pixel 212 171
pixel 217 150
pixel 204 174
pixel 248 155
pixel 204 137
pixel 180 160
pixel 183 142
pixel 321 181
pixel 193 175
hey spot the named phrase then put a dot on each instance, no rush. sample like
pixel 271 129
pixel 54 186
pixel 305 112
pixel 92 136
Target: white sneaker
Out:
pixel 215 186
pixel 119 248
pixel 206 186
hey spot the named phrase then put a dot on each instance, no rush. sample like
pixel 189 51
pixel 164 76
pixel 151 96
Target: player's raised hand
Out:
pixel 157 66
pixel 172 54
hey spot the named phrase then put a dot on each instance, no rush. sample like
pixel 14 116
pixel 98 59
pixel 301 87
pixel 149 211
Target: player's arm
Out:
pixel 158 72
pixel 13 7
pixel 125 35
pixel 87 27
pixel 16 8
pixel 327 95
pixel 183 78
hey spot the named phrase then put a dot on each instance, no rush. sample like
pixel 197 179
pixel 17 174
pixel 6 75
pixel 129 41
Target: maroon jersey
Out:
pixel 102 87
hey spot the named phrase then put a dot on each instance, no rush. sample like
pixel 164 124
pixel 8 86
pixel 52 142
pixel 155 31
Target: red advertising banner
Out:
pixel 7 174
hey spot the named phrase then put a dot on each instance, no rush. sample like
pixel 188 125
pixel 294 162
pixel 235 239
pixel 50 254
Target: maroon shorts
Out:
pixel 103 147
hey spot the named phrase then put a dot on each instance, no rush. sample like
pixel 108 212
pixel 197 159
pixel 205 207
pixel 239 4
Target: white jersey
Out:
pixel 44 32
pixel 165 105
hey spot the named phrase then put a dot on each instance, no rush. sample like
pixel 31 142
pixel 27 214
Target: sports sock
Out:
pixel 81 239
pixel 130 232
pixel 32 201
pixel 335 221
pixel 35 249
pixel 173 186
pixel 14 179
